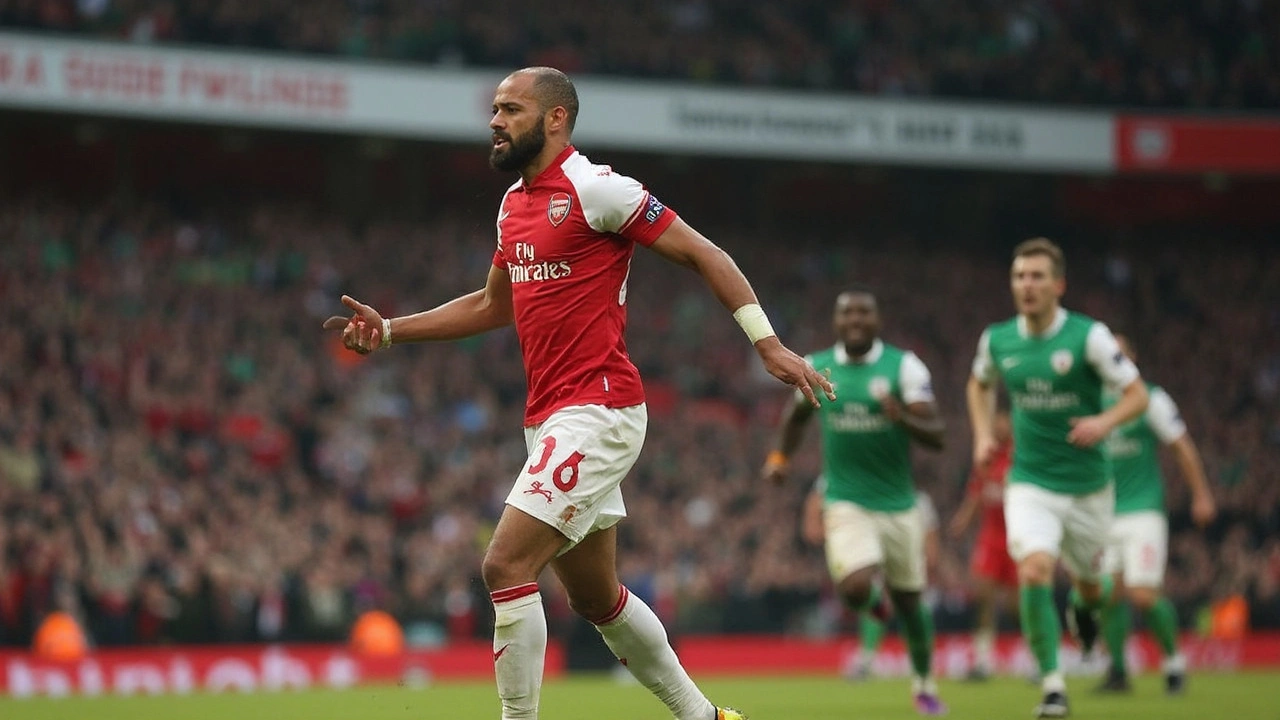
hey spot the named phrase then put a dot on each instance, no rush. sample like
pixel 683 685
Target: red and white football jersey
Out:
pixel 566 240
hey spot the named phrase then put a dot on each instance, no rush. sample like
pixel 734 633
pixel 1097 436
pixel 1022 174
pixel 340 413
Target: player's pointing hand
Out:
pixel 362 332
pixel 793 370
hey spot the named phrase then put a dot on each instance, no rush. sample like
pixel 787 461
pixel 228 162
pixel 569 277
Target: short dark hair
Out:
pixel 554 89
pixel 1046 247
pixel 859 289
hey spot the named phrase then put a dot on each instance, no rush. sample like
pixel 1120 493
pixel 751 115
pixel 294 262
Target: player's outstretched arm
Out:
pixel 485 309
pixel 1166 422
pixel 980 395
pixel 981 398
pixel 1203 508
pixel 790 435
pixel 683 245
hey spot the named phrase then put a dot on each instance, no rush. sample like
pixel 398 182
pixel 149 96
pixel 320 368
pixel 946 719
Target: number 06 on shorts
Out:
pixel 577 460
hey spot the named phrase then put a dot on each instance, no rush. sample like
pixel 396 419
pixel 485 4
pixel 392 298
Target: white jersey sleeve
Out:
pixel 914 378
pixel 1103 353
pixel 928 513
pixel 983 367
pixel 1164 418
pixel 614 203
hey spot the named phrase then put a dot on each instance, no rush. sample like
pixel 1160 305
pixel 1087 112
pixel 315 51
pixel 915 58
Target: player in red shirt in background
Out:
pixel 566 231
pixel 995 574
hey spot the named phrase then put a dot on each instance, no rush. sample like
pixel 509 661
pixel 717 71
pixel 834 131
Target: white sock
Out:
pixel 984 649
pixel 519 649
pixel 636 636
pixel 1055 681
pixel 923 685
pixel 1175 664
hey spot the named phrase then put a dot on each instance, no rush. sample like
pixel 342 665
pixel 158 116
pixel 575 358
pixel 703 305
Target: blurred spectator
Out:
pixel 324 614
pixel 20 463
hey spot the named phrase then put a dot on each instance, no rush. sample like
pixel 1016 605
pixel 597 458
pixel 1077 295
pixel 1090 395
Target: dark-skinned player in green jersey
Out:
pixel 871 518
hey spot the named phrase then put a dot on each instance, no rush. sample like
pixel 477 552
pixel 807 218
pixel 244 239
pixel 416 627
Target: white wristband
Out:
pixel 754 322
pixel 386 334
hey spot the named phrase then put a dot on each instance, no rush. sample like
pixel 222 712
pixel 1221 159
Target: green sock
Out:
pixel 1108 584
pixel 1162 618
pixel 1115 630
pixel 918 627
pixel 870 633
pixel 1040 625
pixel 873 598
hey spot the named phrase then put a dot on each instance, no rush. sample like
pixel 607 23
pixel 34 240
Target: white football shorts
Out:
pixel 858 538
pixel 1139 548
pixel 1073 527
pixel 577 460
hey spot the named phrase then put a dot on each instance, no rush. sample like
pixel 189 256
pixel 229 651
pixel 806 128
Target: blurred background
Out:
pixel 186 189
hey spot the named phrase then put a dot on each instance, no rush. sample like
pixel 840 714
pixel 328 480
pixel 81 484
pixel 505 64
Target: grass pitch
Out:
pixel 1243 696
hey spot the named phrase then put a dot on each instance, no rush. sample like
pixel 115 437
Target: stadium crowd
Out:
pixel 1178 53
pixel 186 457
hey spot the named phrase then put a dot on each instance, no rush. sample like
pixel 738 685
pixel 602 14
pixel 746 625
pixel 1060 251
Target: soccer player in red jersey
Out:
pixel 566 231
pixel 995 574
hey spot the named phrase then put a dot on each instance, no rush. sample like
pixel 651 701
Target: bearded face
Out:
pixel 515 152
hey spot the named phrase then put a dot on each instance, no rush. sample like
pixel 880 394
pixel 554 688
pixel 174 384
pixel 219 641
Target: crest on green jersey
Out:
pixel 1062 360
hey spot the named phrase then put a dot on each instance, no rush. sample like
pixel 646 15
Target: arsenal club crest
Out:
pixel 1061 361
pixel 558 208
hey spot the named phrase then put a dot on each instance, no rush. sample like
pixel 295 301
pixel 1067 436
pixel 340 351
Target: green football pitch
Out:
pixel 1243 696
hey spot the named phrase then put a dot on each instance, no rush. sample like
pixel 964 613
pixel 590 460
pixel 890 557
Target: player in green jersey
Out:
pixel 1060 499
pixel 871 625
pixel 870 514
pixel 1139 542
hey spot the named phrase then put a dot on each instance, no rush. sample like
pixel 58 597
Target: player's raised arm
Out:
pixel 980 393
pixel 485 309
pixel 683 245
pixel 1203 508
pixel 1166 422
pixel 790 434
